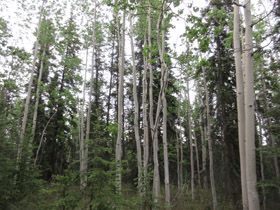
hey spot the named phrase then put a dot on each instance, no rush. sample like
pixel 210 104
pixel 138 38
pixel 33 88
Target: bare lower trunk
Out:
pixel 156 179
pixel 28 97
pixel 197 160
pixel 145 121
pixel 85 150
pixel 211 164
pixel 267 109
pixel 259 122
pixel 82 137
pixel 136 110
pixel 34 121
pixel 120 109
pixel 178 147
pixel 253 197
pixel 204 154
pixel 189 121
pixel 240 106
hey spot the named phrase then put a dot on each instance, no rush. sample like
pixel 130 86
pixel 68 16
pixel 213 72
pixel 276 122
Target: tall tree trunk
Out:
pixel 267 109
pixel 197 159
pixel 111 80
pixel 154 130
pixel 82 138
pixel 211 164
pixel 189 120
pixel 28 97
pixel 85 158
pixel 35 113
pixel 259 123
pixel 178 148
pixel 145 121
pixel 204 154
pixel 136 110
pixel 251 176
pixel 120 108
pixel 240 105
pixel 164 138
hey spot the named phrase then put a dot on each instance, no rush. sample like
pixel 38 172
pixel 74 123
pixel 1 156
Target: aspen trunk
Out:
pixel 197 159
pixel 85 150
pixel 259 122
pixel 35 113
pixel 136 110
pixel 179 147
pixel 211 164
pixel 120 108
pixel 189 120
pixel 165 144
pixel 145 121
pixel 253 197
pixel 240 105
pixel 204 154
pixel 82 138
pixel 267 109
pixel 28 97
pixel 156 178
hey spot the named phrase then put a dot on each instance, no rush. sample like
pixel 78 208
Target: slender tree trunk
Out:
pixel 197 159
pixel 251 176
pixel 85 158
pixel 120 109
pixel 28 97
pixel 204 153
pixel 211 164
pixel 164 138
pixel 42 138
pixel 189 120
pixel 111 81
pixel 259 122
pixel 82 138
pixel 145 121
pixel 136 110
pixel 240 105
pixel 267 109
pixel 35 113
pixel 178 148
pixel 154 130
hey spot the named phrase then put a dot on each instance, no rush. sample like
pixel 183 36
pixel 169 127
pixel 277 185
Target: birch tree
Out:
pixel 120 107
pixel 28 97
pixel 136 108
pixel 211 163
pixel 240 104
pixel 253 197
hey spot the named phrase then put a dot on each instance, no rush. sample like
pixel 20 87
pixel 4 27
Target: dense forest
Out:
pixel 101 108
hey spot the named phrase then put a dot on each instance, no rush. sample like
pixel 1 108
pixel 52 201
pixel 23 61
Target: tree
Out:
pixel 240 105
pixel 253 197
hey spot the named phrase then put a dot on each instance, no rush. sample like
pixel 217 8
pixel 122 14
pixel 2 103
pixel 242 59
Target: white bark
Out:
pixel 267 109
pixel 35 113
pixel 136 109
pixel 211 164
pixel 82 137
pixel 204 154
pixel 145 121
pixel 120 109
pixel 156 178
pixel 240 105
pixel 251 177
pixel 164 138
pixel 259 124
pixel 85 150
pixel 189 120
pixel 179 150
pixel 27 101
